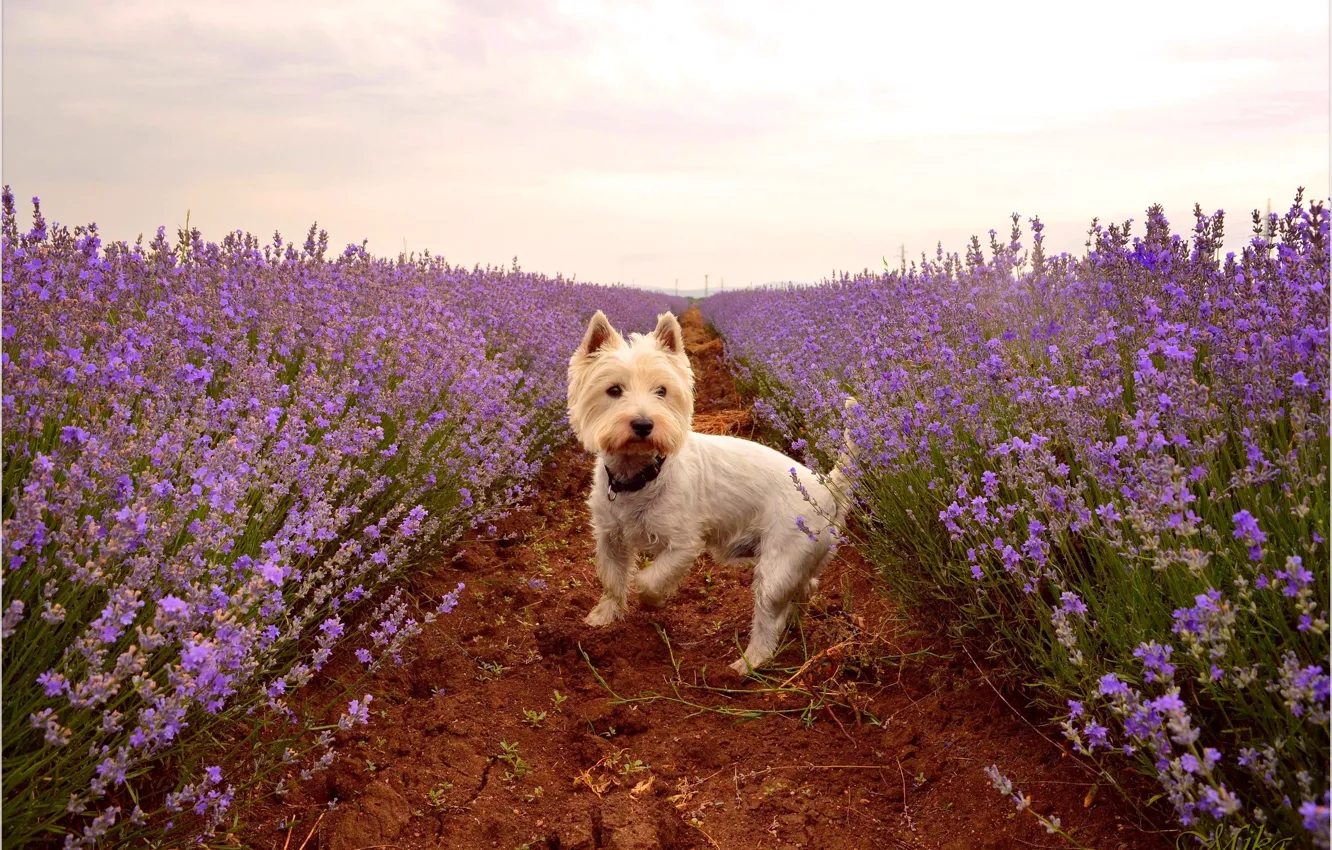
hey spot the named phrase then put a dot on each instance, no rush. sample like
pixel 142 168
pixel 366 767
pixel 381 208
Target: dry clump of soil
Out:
pixel 514 725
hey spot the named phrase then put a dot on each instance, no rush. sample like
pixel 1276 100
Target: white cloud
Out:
pixel 653 141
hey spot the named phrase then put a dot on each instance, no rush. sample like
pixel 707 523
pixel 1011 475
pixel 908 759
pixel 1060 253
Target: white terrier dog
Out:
pixel 661 490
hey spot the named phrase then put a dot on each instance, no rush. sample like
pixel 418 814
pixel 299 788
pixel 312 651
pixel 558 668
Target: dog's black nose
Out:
pixel 642 426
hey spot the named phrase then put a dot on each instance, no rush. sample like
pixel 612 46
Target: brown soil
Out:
pixel 514 725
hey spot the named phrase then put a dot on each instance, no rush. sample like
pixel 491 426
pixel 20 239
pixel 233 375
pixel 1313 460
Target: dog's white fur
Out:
pixel 735 498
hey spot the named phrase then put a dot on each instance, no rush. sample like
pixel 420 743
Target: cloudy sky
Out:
pixel 647 143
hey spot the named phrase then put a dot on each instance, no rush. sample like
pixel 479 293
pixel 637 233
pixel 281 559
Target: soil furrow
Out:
pixel 516 726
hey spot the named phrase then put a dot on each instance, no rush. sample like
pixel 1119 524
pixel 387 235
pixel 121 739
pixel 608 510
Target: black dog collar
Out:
pixel 636 482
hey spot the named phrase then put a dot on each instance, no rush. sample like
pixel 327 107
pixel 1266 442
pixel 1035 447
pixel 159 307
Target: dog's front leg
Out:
pixel 613 560
pixel 662 578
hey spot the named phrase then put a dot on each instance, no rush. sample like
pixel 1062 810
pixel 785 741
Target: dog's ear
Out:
pixel 599 335
pixel 668 334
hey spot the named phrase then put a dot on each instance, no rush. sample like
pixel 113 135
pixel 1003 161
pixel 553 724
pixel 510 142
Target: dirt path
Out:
pixel 505 731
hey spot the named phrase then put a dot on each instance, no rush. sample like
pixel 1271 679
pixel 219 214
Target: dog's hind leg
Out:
pixel 810 586
pixel 613 561
pixel 778 578
pixel 662 577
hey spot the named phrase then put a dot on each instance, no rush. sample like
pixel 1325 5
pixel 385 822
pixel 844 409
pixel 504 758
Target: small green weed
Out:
pixel 518 767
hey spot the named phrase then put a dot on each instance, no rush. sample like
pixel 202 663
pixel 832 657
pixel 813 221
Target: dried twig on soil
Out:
pixel 704 833
pixel 310 835
pixel 906 814
pixel 830 652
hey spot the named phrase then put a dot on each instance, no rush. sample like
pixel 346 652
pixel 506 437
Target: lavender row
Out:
pixel 1112 468
pixel 218 460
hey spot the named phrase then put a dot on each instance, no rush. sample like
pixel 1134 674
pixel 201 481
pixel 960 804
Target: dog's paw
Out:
pixel 605 613
pixel 649 599
pixel 740 668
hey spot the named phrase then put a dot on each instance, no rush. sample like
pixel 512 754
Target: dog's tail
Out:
pixel 837 478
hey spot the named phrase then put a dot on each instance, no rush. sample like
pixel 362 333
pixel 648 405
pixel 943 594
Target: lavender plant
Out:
pixel 218 460
pixel 1112 469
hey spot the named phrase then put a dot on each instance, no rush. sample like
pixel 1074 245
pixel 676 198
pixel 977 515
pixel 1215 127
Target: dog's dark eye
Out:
pixel 660 391
pixel 614 391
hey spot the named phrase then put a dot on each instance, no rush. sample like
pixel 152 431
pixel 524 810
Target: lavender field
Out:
pixel 1108 473
pixel 219 457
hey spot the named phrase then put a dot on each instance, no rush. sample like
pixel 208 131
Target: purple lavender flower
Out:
pixel 1155 661
pixel 1111 686
pixel 1315 818
pixel 450 599
pixel 358 712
